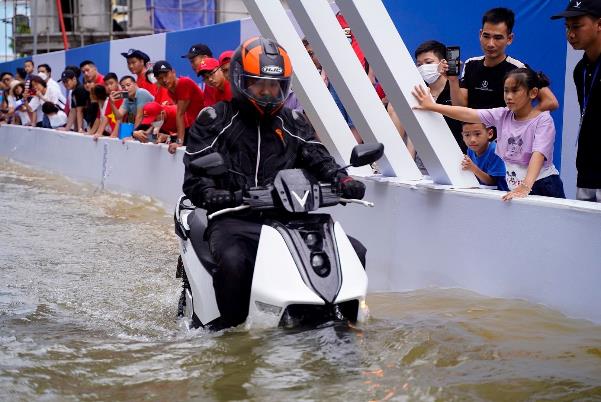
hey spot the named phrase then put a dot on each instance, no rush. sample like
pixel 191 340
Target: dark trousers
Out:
pixel 233 243
pixel 550 186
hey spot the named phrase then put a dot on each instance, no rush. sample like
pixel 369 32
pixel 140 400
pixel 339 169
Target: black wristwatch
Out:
pixel 176 140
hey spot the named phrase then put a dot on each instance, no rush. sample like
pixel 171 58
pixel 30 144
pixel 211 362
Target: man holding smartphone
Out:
pixel 134 100
pixel 481 85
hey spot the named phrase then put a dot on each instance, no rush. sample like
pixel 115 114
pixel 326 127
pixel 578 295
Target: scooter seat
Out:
pixel 197 222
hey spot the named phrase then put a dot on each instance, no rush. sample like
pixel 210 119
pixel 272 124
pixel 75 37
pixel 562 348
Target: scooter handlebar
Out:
pixel 262 198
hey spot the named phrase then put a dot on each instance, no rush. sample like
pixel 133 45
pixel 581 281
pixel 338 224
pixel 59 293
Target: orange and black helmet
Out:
pixel 260 73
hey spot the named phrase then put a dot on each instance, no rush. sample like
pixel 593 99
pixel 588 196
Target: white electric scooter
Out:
pixel 306 270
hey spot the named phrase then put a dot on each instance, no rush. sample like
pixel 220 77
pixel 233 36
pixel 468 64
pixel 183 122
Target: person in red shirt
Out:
pixel 136 64
pixel 224 62
pixel 90 72
pixel 351 38
pixel 158 123
pixel 111 82
pixel 217 88
pixel 188 96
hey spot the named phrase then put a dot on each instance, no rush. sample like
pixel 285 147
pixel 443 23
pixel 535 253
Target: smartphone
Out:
pixel 453 59
pixel 121 95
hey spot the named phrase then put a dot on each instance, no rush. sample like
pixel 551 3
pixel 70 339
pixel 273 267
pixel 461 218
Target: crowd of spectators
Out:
pixel 502 145
pixel 150 105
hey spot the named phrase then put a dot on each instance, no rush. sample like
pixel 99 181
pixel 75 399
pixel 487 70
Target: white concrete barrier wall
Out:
pixel 543 250
pixel 134 168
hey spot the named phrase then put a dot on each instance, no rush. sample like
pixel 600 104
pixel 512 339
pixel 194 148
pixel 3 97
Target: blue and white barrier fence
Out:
pixel 540 249
pixel 538 41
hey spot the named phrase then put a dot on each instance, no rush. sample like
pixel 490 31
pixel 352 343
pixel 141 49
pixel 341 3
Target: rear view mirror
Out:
pixel 209 165
pixel 364 154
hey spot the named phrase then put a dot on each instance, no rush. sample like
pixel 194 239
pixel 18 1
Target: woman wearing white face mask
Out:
pixel 428 56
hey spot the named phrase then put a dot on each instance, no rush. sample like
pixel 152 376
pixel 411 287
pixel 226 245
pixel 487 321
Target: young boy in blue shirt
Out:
pixel 481 159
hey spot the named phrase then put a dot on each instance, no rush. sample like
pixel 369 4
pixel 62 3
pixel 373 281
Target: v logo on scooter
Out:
pixel 303 200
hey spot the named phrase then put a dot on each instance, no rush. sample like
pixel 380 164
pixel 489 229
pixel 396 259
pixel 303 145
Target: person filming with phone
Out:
pixel 481 83
pixel 257 137
pixel 134 99
pixel 428 58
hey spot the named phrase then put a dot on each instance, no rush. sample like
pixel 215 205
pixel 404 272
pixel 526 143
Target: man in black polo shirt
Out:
pixel 583 27
pixel 481 85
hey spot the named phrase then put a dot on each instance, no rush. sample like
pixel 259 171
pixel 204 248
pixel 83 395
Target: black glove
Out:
pixel 215 199
pixel 351 188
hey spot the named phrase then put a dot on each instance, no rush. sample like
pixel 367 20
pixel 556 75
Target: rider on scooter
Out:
pixel 257 137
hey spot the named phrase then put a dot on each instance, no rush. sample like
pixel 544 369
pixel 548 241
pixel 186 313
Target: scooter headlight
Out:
pixel 317 261
pixel 311 239
pixel 320 264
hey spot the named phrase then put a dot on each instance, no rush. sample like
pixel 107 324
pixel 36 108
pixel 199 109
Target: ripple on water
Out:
pixel 88 298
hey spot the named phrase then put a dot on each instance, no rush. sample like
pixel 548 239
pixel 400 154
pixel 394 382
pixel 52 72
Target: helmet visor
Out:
pixel 265 91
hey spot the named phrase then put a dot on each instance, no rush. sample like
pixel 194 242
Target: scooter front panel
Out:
pixel 276 280
pixel 354 278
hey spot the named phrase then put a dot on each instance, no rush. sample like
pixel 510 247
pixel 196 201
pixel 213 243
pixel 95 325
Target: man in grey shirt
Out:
pixel 130 110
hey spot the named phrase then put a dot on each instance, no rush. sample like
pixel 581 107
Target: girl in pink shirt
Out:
pixel 525 134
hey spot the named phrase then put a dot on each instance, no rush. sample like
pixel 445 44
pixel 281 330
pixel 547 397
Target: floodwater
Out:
pixel 88 298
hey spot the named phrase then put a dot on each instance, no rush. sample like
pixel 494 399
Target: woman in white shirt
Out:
pixel 43 93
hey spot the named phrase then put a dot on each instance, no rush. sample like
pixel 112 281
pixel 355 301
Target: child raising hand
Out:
pixel 525 135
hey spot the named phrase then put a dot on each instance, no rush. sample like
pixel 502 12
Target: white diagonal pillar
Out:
pixel 273 22
pixel 318 22
pixel 394 67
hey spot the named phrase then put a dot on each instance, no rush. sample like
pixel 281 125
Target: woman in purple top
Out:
pixel 525 134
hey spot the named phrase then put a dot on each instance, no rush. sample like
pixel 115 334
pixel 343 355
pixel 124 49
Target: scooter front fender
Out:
pixel 277 282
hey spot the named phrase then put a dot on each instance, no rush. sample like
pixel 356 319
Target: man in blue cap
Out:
pixel 583 30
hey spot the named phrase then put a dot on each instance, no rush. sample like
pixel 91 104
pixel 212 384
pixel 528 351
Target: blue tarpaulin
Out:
pixel 174 15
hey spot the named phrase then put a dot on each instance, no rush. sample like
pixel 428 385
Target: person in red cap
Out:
pixel 217 88
pixel 157 119
pixel 224 62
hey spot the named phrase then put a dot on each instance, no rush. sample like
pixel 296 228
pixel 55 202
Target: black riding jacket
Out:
pixel 256 148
